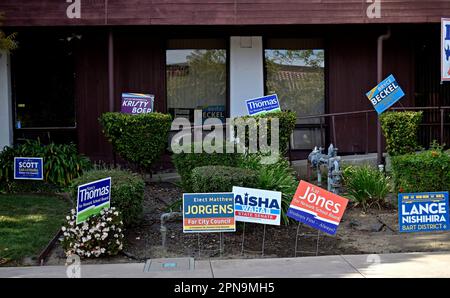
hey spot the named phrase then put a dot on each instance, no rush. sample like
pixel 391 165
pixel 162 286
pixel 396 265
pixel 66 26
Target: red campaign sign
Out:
pixel 256 215
pixel 317 207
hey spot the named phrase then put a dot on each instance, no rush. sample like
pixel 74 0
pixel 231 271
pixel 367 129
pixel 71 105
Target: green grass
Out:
pixel 27 224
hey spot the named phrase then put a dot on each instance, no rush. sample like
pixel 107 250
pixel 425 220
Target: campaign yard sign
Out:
pixel 208 212
pixel 263 105
pixel 385 94
pixel 213 112
pixel 92 198
pixel 317 207
pixel 28 168
pixel 257 205
pixel 423 212
pixel 445 50
pixel 137 103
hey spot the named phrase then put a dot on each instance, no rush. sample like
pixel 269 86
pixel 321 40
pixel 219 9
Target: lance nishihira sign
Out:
pixel 137 103
pixel 28 168
pixel 257 206
pixel 423 212
pixel 92 198
pixel 208 212
pixel 445 49
pixel 263 105
pixel 385 94
pixel 317 207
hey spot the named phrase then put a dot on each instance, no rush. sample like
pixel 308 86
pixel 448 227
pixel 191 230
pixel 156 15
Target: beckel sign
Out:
pixel 423 212
pixel 317 207
pixel 257 206
pixel 263 105
pixel 28 168
pixel 137 103
pixel 385 94
pixel 208 212
pixel 92 198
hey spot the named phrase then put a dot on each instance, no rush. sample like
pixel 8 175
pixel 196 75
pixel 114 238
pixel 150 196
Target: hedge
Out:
pixel 139 139
pixel 422 172
pixel 221 178
pixel 286 124
pixel 185 162
pixel 127 192
pixel 400 130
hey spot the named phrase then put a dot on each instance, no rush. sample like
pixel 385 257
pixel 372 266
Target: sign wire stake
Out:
pixel 243 240
pixel 263 241
pixel 198 242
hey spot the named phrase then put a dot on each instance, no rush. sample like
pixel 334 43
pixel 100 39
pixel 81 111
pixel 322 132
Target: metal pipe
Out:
pixel 164 218
pixel 111 70
pixel 381 38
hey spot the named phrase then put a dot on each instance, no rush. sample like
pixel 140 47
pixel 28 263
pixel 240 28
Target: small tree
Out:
pixel 7 42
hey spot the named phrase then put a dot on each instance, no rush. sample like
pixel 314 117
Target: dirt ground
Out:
pixel 373 232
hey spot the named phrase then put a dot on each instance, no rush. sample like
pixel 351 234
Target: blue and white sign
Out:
pixel 423 212
pixel 28 168
pixel 92 198
pixel 213 112
pixel 385 94
pixel 262 105
pixel 257 205
pixel 445 50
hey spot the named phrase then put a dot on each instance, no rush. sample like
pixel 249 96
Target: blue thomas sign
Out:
pixel 385 95
pixel 423 212
pixel 28 168
pixel 92 198
pixel 263 105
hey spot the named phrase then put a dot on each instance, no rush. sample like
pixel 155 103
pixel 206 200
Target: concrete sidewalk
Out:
pixel 359 266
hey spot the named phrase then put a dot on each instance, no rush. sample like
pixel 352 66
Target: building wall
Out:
pixel 6 135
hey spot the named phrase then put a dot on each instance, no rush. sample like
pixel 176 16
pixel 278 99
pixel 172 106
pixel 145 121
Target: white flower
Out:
pixel 63 229
pixel 72 211
pixel 109 219
pixel 116 213
pixel 68 217
pixel 116 236
pixel 102 250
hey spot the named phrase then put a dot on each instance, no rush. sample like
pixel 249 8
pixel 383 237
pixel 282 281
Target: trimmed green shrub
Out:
pixel 62 163
pixel 286 124
pixel 127 191
pixel 400 130
pixel 221 178
pixel 278 176
pixel 186 162
pixel 422 172
pixel 139 139
pixel 366 185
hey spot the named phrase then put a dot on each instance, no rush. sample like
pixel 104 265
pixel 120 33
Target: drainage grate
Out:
pixel 169 264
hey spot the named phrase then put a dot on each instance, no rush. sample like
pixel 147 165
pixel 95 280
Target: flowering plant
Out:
pixel 99 235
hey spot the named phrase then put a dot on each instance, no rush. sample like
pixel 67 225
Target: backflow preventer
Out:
pixel 317 159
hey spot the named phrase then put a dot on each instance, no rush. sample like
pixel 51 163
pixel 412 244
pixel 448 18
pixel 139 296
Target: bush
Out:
pixel 422 172
pixel 221 178
pixel 139 139
pixel 286 123
pixel 99 235
pixel 366 185
pixel 62 163
pixel 278 177
pixel 186 162
pixel 400 130
pixel 127 191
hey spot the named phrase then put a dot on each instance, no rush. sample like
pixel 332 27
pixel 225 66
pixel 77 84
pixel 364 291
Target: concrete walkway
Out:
pixel 359 266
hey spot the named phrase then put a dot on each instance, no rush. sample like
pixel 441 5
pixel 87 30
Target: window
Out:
pixel 196 77
pixel 43 78
pixel 295 72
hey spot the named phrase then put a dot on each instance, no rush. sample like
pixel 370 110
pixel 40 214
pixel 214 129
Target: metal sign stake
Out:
pixel 263 241
pixel 243 240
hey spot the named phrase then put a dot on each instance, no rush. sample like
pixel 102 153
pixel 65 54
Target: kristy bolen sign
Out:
pixel 423 212
pixel 92 198
pixel 28 168
pixel 137 103
pixel 263 105
pixel 208 212
pixel 257 206
pixel 385 94
pixel 317 207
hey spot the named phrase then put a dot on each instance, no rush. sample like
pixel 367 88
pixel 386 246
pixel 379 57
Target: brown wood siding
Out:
pixel 91 94
pixel 220 12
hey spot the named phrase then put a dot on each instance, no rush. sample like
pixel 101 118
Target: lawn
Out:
pixel 27 224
